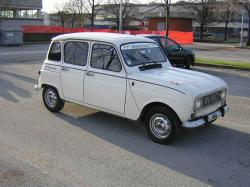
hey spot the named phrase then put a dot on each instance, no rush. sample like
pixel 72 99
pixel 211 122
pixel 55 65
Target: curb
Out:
pixel 222 66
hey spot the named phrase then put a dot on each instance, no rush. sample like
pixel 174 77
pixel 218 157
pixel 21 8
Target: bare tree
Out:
pixel 61 13
pixel 129 11
pixel 246 6
pixel 79 7
pixel 71 9
pixel 91 9
pixel 226 14
pixel 166 4
pixel 205 13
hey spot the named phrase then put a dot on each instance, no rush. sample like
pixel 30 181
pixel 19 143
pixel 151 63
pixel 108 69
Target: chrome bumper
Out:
pixel 206 119
pixel 36 87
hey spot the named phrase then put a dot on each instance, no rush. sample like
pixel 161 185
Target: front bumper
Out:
pixel 36 87
pixel 206 119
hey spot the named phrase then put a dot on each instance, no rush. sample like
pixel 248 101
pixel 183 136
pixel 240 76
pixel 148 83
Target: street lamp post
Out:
pixel 120 17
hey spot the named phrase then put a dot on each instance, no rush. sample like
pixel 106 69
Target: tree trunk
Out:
pixel 92 16
pixel 73 21
pixel 225 30
pixel 167 22
pixel 201 30
pixel 248 40
pixel 62 21
pixel 117 23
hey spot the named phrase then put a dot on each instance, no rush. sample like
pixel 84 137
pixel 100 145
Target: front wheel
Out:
pixel 52 100
pixel 188 62
pixel 162 124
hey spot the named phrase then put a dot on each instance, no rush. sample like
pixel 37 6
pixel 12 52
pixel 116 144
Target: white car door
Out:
pixel 105 80
pixel 73 69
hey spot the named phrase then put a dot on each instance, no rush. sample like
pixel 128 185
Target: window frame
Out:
pixel 173 41
pixel 117 52
pixel 57 61
pixel 75 40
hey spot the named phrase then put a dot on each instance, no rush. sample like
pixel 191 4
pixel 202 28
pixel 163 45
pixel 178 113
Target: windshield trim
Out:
pixel 166 60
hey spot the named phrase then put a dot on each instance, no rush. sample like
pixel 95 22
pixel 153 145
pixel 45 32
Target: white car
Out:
pixel 129 76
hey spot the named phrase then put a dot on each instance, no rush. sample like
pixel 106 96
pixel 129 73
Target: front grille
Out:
pixel 211 99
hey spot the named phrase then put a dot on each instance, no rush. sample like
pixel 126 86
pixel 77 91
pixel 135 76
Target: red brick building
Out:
pixel 180 28
pixel 176 24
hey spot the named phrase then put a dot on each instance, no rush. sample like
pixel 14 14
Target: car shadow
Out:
pixel 9 90
pixel 235 89
pixel 20 77
pixel 211 154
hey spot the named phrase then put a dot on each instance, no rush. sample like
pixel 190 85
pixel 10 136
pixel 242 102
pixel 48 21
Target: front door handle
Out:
pixel 91 74
pixel 65 69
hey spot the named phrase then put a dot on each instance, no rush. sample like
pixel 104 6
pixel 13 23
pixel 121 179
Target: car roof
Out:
pixel 114 38
pixel 149 35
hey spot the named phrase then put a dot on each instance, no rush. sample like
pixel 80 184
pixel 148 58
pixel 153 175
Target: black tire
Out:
pixel 188 62
pixel 210 123
pixel 57 105
pixel 170 127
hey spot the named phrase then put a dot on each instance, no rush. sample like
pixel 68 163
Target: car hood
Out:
pixel 187 81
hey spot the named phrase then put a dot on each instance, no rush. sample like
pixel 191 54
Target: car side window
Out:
pixel 105 57
pixel 55 52
pixel 76 53
pixel 169 44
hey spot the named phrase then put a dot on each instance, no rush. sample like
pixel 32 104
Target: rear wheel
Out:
pixel 52 100
pixel 162 124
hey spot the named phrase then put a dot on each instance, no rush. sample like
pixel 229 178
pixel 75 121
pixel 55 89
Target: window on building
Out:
pixel 23 13
pixel 6 14
pixel 76 53
pixel 105 57
pixel 55 52
pixel 32 14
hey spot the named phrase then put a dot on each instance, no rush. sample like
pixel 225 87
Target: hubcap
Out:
pixel 51 98
pixel 160 126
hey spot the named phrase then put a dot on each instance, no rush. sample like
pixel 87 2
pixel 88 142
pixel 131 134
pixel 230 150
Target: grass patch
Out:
pixel 240 65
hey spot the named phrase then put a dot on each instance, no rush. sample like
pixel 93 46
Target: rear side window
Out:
pixel 76 53
pixel 105 57
pixel 55 52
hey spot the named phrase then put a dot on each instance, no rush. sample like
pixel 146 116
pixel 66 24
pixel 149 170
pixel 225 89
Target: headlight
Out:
pixel 198 103
pixel 223 94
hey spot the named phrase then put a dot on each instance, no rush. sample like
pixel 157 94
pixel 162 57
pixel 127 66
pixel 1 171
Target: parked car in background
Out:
pixel 129 76
pixel 177 54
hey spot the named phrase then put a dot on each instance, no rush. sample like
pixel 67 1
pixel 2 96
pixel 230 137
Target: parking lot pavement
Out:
pixel 224 52
pixel 82 147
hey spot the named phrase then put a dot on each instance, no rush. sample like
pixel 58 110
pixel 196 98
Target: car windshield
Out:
pixel 142 53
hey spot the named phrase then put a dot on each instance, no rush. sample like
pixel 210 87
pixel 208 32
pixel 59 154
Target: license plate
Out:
pixel 212 116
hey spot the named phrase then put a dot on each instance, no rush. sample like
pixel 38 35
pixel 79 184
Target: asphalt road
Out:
pixel 83 147
pixel 226 52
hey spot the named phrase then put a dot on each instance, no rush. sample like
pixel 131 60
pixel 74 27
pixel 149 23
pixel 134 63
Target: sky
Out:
pixel 50 5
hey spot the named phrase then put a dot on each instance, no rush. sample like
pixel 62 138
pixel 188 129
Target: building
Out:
pixel 14 14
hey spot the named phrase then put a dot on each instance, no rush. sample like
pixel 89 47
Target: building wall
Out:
pixel 17 23
pixel 181 24
pixel 176 24
pixel 153 23
pixel 26 4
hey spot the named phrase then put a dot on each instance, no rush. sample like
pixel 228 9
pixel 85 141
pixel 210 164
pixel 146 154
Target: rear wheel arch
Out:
pixel 49 85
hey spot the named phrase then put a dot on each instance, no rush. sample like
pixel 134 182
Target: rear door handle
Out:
pixel 91 74
pixel 65 69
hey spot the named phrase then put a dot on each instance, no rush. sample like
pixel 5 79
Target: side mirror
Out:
pixel 177 48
